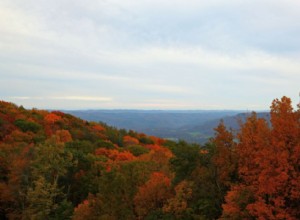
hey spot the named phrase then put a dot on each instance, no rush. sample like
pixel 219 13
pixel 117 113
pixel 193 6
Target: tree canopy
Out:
pixel 56 166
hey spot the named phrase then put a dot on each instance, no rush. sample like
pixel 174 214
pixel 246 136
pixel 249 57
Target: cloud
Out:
pixel 83 98
pixel 77 98
pixel 119 53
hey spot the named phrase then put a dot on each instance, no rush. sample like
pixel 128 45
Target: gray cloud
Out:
pixel 149 54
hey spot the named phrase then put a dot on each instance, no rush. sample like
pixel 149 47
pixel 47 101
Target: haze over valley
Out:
pixel 191 126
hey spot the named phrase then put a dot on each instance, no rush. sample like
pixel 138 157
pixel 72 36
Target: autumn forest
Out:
pixel 56 166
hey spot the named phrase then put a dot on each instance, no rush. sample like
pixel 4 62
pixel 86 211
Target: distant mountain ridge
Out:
pixel 190 125
pixel 232 122
pixel 131 119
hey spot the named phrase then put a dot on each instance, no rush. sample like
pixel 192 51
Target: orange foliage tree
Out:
pixel 114 157
pixel 50 126
pixel 178 204
pixel 128 140
pixel 153 194
pixel 87 209
pixel 268 167
pixel 63 136
pixel 160 156
pixel 224 158
pixel 51 118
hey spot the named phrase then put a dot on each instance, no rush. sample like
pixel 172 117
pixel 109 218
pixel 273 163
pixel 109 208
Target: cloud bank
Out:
pixel 149 54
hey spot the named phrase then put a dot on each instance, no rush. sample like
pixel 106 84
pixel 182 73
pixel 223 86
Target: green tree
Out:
pixel 48 192
pixel 186 159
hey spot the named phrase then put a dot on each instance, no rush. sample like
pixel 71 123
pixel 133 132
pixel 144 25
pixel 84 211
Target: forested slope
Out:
pixel 56 166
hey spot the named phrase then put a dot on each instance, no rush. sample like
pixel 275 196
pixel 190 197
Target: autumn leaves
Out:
pixel 56 166
pixel 268 167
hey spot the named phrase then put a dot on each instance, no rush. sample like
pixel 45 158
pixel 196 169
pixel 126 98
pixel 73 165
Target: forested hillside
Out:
pixel 56 166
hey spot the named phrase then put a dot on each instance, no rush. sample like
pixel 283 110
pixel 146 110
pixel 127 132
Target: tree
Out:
pixel 27 125
pixel 160 157
pixel 186 159
pixel 268 167
pixel 153 194
pixel 51 118
pixel 178 205
pixel 128 140
pixel 87 209
pixel 286 175
pixel 46 196
pixel 63 136
pixel 51 160
pixel 253 151
pixel 51 121
pixel 41 199
pixel 225 160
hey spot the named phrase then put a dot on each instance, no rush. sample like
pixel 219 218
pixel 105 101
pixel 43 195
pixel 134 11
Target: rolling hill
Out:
pixel 192 126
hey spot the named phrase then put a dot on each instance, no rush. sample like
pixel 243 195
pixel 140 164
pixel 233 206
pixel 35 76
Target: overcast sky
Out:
pixel 149 54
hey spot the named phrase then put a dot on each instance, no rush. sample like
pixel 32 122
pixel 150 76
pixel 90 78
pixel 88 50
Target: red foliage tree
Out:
pixel 50 125
pixel 114 157
pixel 51 118
pixel 115 154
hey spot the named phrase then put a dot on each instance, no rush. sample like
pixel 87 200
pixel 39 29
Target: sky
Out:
pixel 149 54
